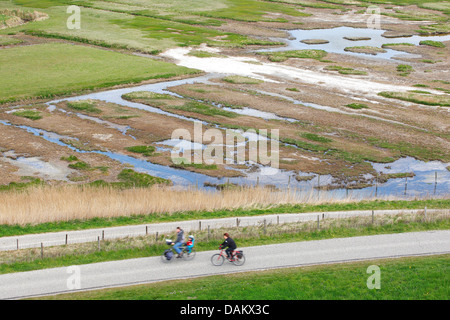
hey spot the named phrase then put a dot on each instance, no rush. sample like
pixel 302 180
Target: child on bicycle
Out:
pixel 190 243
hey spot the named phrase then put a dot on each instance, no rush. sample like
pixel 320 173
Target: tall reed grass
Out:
pixel 66 203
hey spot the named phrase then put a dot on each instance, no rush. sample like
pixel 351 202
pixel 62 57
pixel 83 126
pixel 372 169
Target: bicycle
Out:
pixel 237 258
pixel 169 254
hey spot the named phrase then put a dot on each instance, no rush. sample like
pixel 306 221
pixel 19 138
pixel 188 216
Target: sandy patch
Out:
pixel 267 72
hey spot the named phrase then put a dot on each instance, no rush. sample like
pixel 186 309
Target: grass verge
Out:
pixel 401 279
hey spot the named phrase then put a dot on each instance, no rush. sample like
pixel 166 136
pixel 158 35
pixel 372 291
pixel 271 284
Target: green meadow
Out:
pixel 419 278
pixel 47 70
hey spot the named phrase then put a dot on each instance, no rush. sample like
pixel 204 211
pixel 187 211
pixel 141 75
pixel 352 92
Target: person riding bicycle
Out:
pixel 190 243
pixel 230 244
pixel 179 242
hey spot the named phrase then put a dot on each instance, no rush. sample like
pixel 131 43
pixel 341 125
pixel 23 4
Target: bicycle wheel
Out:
pixel 189 255
pixel 217 259
pixel 239 261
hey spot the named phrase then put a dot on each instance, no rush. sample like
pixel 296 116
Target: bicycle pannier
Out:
pixel 168 254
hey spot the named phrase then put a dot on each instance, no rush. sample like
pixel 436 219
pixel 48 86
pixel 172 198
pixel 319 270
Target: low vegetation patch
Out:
pixel 397 44
pixel 314 41
pixel 241 80
pixel 204 54
pixel 205 109
pixel 365 49
pixel 81 165
pixel 357 106
pixel 132 179
pixel 86 106
pixel 145 150
pixel 147 95
pixel 183 163
pixel 404 69
pixel 27 182
pixel 315 137
pixel 302 54
pixel 434 29
pixel 343 70
pixel 29 114
pixel 418 97
pixel 432 43
pixel 357 38
pixel 70 158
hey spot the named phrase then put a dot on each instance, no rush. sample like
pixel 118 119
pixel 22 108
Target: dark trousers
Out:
pixel 229 251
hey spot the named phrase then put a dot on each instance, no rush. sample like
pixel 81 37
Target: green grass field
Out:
pixel 47 70
pixel 144 26
pixel 419 278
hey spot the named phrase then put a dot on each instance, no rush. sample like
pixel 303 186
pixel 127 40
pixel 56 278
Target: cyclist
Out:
pixel 230 244
pixel 179 242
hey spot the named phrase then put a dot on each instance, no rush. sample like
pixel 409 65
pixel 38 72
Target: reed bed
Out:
pixel 43 204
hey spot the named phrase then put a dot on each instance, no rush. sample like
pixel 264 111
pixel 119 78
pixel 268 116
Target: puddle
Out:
pixel 34 166
pixel 337 43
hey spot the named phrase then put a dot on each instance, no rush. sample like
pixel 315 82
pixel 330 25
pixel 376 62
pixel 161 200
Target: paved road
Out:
pixel 59 238
pixel 145 270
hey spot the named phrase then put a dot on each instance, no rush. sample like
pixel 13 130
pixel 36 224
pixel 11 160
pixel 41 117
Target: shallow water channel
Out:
pixel 337 42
